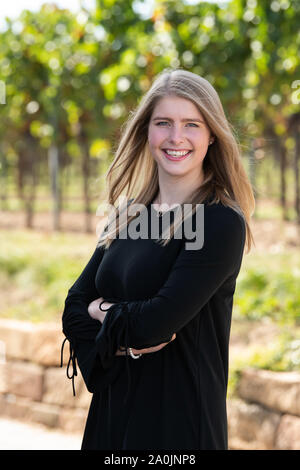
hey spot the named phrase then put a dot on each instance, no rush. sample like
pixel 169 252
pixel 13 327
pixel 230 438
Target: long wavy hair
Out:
pixel 133 173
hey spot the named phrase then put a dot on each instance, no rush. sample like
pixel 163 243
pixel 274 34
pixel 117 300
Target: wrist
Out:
pixel 104 306
pixel 101 315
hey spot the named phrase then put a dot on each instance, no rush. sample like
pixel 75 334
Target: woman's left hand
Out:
pixel 94 310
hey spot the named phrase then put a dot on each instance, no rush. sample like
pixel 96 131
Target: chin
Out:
pixel 175 171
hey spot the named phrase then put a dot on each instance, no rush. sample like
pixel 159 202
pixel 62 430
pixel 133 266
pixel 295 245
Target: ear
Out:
pixel 211 140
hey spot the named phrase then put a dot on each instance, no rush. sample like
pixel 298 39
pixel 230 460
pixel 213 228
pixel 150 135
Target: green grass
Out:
pixel 280 355
pixel 36 271
pixel 40 267
pixel 265 292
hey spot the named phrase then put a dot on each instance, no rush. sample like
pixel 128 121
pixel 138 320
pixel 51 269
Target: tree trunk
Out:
pixel 53 161
pixel 20 174
pixel 30 189
pixel 281 157
pixel 86 191
pixel 27 177
pixel 30 198
pixel 283 166
pixel 252 173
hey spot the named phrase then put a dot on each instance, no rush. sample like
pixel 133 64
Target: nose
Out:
pixel 176 135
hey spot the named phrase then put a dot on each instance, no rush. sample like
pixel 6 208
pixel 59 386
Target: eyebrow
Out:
pixel 182 120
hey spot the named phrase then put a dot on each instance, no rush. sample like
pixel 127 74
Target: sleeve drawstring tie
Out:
pixel 72 360
pixel 71 370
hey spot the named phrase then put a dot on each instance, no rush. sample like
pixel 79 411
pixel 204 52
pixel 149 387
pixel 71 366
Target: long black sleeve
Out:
pixel 81 330
pixel 77 323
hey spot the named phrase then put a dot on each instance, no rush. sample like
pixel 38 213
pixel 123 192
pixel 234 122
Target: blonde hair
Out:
pixel 134 171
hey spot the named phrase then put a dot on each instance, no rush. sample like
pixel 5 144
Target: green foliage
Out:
pixel 267 293
pixel 264 293
pixel 36 272
pixel 11 266
pixel 283 354
pixel 72 79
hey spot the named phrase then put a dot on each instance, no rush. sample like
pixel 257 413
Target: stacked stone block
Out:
pixel 264 415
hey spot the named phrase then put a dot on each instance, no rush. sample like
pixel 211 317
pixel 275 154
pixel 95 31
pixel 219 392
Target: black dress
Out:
pixel 175 398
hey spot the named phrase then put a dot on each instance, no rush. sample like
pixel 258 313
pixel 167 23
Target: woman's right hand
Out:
pixel 152 349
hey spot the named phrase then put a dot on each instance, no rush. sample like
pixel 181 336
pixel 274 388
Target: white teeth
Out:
pixel 175 153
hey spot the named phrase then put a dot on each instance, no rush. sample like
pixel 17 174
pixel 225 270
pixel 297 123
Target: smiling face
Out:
pixel 178 136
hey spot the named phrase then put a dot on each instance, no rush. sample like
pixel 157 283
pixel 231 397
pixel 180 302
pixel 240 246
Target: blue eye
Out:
pixel 165 122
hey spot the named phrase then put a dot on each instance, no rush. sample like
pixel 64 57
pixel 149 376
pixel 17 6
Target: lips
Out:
pixel 174 158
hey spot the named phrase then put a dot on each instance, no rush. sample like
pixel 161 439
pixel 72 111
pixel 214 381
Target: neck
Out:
pixel 176 190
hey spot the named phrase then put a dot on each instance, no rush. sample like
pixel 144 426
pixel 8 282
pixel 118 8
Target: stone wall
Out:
pixel 264 415
pixel 33 386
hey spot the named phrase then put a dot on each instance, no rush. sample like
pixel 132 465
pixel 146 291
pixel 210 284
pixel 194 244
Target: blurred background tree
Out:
pixel 71 80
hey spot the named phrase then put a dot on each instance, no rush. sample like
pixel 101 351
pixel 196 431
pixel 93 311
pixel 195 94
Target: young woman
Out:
pixel 149 318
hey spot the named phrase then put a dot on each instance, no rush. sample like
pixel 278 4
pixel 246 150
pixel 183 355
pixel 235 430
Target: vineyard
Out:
pixel 69 82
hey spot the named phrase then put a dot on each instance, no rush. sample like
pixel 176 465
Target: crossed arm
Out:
pixel 97 314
